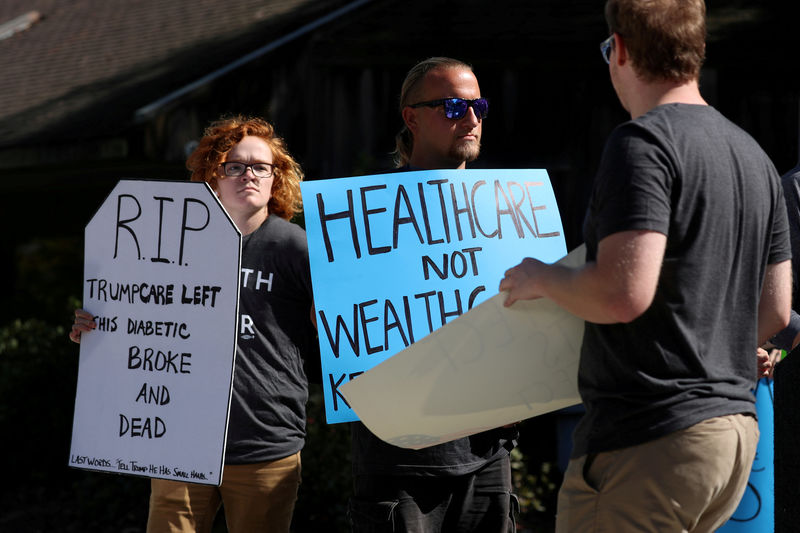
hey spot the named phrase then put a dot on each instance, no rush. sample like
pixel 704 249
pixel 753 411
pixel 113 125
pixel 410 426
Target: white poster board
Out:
pixel 491 366
pixel 161 277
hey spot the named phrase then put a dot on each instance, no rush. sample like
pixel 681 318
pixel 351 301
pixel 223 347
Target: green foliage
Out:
pixel 47 277
pixel 37 386
pixel 38 377
pixel 38 372
pixel 536 485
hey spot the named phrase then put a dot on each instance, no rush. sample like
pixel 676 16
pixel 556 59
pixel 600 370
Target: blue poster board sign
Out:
pixel 396 256
pixel 756 510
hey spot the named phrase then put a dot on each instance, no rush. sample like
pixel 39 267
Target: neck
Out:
pixel 649 95
pixel 248 223
pixel 418 160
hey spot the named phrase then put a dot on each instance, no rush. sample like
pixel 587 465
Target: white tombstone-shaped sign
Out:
pixel 161 277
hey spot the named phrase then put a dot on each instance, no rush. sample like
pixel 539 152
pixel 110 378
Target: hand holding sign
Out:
pixel 84 323
pixel 492 366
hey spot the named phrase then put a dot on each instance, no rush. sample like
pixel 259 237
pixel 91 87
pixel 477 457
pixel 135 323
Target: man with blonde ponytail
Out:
pixel 465 485
pixel 432 137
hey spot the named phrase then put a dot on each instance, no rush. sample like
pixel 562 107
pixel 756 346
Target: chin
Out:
pixel 468 152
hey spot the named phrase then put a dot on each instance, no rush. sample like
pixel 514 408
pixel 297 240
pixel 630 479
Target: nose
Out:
pixel 248 174
pixel 471 118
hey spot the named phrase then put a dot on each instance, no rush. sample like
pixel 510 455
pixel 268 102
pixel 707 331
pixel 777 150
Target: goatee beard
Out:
pixel 467 151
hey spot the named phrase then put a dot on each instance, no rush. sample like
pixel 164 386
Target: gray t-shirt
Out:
pixel 270 388
pixel 689 173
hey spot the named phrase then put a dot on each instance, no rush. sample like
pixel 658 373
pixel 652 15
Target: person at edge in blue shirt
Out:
pixel 788 338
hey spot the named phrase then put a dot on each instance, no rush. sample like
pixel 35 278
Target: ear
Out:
pixel 409 115
pixel 620 50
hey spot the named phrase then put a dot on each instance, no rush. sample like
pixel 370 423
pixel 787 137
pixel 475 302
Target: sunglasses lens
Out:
pixel 455 108
pixel 481 107
pixel 605 48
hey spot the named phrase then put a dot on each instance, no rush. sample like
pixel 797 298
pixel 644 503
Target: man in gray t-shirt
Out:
pixel 687 273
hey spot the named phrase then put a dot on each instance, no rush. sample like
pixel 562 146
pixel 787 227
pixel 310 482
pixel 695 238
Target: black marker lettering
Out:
pixel 366 212
pixel 186 227
pixel 123 223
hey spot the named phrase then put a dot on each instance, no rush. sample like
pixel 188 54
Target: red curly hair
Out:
pixel 222 135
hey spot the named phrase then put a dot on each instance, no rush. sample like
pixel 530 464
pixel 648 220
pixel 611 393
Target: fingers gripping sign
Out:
pixel 521 281
pixel 84 322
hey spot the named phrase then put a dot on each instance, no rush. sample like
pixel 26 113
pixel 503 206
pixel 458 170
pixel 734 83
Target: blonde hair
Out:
pixel 409 93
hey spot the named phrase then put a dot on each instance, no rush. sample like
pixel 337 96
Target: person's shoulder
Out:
pixel 290 226
pixel 676 112
pixel 681 123
pixel 640 129
pixel 291 230
pixel 792 177
pixel 279 230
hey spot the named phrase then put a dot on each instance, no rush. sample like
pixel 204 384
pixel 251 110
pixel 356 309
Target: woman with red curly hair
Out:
pixel 258 184
pixel 211 162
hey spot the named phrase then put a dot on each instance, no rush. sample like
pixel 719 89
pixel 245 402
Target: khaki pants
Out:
pixel 688 481
pixel 257 498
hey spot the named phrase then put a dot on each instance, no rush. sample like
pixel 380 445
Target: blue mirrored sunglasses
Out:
pixel 606 47
pixel 456 108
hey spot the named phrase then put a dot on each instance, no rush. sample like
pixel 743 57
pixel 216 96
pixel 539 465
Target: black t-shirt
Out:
pixel 270 388
pixel 689 173
pixel 462 456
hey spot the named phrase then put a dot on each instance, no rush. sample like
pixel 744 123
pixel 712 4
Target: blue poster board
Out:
pixel 395 256
pixel 756 511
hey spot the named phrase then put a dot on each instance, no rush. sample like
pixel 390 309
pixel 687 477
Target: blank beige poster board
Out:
pixel 490 367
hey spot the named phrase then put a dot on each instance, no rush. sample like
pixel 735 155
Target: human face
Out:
pixel 440 142
pixel 246 196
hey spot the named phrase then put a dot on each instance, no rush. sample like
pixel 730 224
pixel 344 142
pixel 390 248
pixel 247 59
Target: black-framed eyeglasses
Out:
pixel 456 108
pixel 233 169
pixel 606 47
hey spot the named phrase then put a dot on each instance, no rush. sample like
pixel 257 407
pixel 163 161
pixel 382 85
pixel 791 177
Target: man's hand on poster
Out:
pixel 84 322
pixel 520 281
